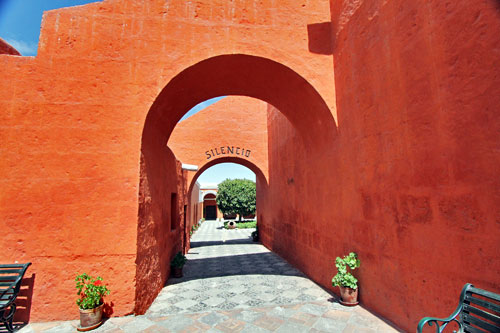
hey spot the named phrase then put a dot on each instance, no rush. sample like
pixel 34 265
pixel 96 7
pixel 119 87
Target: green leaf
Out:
pixel 236 196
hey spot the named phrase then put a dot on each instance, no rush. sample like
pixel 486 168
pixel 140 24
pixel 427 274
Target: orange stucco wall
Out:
pixel 237 122
pixel 160 226
pixel 84 126
pixel 194 210
pixel 408 178
pixel 413 183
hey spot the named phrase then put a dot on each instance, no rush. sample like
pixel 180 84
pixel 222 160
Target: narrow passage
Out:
pixel 226 270
pixel 231 284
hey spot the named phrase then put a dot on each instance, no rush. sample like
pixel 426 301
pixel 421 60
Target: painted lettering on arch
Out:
pixel 228 150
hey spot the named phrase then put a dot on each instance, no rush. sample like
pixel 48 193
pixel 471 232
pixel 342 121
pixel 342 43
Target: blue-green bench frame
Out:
pixel 477 312
pixel 11 276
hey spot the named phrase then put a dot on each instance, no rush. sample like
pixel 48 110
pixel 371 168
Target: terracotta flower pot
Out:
pixel 90 318
pixel 349 296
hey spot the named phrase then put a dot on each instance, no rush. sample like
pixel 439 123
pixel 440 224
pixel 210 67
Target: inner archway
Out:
pixel 224 75
pixel 209 207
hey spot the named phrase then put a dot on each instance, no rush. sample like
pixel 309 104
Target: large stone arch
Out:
pixel 415 156
pixel 78 110
pixel 246 75
pixel 230 74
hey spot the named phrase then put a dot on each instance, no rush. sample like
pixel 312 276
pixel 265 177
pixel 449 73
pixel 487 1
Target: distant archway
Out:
pixel 259 175
pixel 209 207
pixel 211 195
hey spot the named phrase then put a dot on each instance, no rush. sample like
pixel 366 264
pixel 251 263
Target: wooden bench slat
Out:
pixel 485 293
pixel 8 277
pixel 483 303
pixel 5 284
pixel 14 265
pixel 467 318
pixel 8 290
pixel 482 313
pixel 10 270
pixel 471 329
pixel 6 297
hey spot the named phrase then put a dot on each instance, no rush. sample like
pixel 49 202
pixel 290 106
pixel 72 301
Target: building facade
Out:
pixel 381 137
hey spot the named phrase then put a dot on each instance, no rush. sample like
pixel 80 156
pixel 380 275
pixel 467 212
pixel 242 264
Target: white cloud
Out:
pixel 26 49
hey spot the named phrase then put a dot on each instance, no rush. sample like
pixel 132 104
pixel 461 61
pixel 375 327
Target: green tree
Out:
pixel 237 196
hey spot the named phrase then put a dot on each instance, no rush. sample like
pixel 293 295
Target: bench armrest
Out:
pixel 445 321
pixel 9 294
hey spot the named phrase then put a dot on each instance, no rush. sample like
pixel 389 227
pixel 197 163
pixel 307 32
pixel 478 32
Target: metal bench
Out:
pixel 478 312
pixel 11 276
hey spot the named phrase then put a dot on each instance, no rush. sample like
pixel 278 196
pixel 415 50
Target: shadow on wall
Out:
pixel 23 302
pixel 320 38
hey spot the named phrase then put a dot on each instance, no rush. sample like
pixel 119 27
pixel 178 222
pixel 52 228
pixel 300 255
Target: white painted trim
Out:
pixel 189 167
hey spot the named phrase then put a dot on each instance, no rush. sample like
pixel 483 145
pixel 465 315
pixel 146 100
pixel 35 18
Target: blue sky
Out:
pixel 20 22
pixel 201 106
pixel 220 172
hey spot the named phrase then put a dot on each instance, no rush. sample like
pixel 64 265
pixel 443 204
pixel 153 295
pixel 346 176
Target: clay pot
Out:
pixel 177 272
pixel 91 318
pixel 231 225
pixel 349 296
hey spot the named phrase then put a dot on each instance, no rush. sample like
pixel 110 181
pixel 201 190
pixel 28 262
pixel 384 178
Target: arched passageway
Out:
pixel 260 179
pixel 209 207
pixel 236 74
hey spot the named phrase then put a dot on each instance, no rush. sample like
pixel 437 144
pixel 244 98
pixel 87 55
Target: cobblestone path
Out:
pixel 231 284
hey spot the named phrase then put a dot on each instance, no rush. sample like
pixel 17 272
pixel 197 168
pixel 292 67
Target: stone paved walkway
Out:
pixel 231 284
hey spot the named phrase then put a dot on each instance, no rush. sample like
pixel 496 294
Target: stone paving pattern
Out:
pixel 231 284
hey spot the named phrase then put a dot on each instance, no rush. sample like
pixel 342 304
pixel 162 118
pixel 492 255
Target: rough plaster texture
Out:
pixel 84 126
pixel 413 184
pixel 159 236
pixel 235 121
pixel 408 179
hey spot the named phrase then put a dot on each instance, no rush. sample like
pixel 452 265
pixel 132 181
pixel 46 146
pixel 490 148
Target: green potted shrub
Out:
pixel 90 302
pixel 347 283
pixel 177 264
pixel 255 234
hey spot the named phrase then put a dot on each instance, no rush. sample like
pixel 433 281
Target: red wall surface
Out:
pixel 235 121
pixel 408 178
pixel 194 211
pixel 86 174
pixel 413 184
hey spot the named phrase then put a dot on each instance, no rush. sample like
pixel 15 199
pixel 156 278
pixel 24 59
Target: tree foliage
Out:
pixel 237 196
